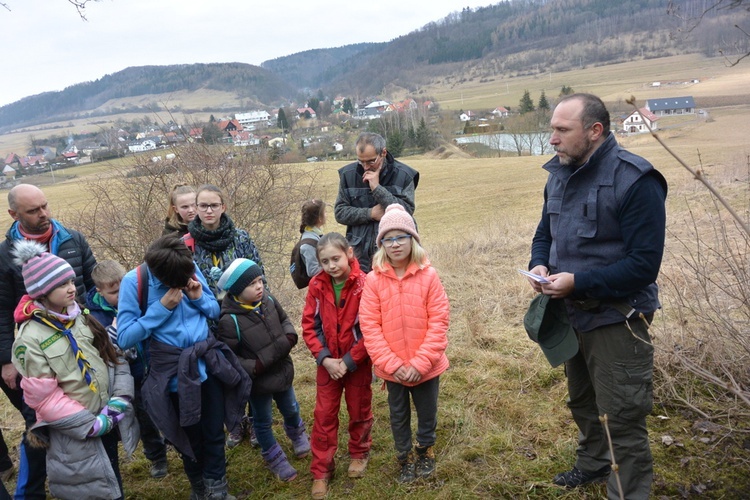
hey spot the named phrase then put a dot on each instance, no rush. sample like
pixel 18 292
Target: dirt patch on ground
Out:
pixel 447 151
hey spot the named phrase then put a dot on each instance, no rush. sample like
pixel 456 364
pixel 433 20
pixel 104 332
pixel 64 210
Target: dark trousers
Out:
pixel 207 436
pixel 153 443
pixel 109 441
pixel 425 398
pixel 5 461
pixel 32 464
pixel 356 387
pixel 612 375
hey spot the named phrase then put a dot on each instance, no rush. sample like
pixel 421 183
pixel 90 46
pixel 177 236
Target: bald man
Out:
pixel 33 221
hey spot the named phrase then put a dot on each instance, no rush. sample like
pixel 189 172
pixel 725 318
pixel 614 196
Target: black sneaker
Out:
pixel 576 477
pixel 425 464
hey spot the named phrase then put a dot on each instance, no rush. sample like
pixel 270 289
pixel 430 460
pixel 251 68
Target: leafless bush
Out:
pixel 707 288
pixel 129 205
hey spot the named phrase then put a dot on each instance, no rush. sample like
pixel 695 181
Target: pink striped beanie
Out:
pixel 42 271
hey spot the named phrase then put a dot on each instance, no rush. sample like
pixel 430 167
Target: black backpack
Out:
pixel 297 267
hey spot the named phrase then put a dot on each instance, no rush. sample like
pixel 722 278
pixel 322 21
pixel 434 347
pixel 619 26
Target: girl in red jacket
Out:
pixel 330 326
pixel 404 316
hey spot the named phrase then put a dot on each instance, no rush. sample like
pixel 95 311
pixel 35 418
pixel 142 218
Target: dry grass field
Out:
pixel 504 429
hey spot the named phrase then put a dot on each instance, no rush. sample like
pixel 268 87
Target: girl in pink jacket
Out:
pixel 404 317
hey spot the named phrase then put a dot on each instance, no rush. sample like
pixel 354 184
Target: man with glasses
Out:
pixel 366 187
pixel 33 221
pixel 600 243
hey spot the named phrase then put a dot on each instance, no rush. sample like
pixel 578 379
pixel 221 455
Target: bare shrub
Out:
pixel 706 278
pixel 129 204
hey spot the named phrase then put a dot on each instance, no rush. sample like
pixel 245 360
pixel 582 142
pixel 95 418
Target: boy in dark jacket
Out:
pixel 255 326
pixel 102 303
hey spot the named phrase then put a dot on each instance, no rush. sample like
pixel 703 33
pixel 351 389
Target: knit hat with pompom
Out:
pixel 42 271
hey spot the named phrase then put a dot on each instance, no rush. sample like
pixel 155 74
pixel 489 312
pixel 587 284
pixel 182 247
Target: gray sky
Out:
pixel 46 46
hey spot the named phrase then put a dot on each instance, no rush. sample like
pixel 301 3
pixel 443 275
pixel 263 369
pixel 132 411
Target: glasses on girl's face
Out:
pixel 203 207
pixel 402 239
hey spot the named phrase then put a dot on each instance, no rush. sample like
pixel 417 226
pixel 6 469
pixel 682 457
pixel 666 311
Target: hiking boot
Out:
pixel 216 489
pixel 406 461
pixel 576 477
pixel 278 464
pixel 425 465
pixel 159 468
pixel 299 438
pixel 357 467
pixel 234 438
pixel 319 489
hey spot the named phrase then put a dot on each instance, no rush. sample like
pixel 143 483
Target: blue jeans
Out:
pixel 286 402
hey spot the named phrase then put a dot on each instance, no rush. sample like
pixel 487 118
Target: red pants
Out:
pixel 357 390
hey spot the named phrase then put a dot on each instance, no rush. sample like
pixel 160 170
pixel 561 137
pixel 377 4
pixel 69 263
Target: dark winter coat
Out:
pixel 263 343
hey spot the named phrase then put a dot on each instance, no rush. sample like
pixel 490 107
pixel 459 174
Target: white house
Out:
pixel 635 123
pixel 138 147
pixel 671 106
pixel 337 146
pixel 500 111
pixel 251 120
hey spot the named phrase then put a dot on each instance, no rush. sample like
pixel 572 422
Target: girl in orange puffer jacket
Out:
pixel 404 316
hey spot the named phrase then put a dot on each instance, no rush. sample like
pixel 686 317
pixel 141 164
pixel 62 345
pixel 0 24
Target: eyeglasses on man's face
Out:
pixel 203 207
pixel 400 240
pixel 369 163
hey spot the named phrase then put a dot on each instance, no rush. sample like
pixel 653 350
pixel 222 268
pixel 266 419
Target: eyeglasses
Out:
pixel 401 240
pixel 203 207
pixel 369 163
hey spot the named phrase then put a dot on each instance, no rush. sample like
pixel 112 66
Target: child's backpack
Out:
pixel 297 267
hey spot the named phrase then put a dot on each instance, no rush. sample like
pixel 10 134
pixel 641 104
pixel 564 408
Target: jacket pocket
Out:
pixel 588 221
pixel 60 354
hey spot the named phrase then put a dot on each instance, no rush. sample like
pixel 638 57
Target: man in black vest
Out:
pixel 600 243
pixel 33 221
pixel 366 188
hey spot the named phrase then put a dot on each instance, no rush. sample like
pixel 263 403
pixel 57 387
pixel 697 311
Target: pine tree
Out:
pixel 424 138
pixel 526 105
pixel 348 108
pixel 543 104
pixel 281 121
pixel 395 143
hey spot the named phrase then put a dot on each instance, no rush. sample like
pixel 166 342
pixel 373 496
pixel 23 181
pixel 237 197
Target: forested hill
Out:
pixel 313 68
pixel 247 81
pixel 524 36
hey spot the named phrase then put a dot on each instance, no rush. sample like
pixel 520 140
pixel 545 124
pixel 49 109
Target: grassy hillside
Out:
pixel 504 430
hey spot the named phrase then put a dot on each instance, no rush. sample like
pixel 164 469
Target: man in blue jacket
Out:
pixel 33 221
pixel 600 242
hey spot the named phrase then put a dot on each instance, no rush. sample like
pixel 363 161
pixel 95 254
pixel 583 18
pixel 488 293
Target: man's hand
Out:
pixel 372 178
pixel 377 212
pixel 172 298
pixel 194 290
pixel 562 285
pixel 541 271
pixel 10 375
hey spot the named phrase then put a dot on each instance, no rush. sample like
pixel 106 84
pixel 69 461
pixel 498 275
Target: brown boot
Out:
pixel 319 489
pixel 357 467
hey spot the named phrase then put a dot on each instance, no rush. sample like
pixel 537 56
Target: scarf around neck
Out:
pixel 213 240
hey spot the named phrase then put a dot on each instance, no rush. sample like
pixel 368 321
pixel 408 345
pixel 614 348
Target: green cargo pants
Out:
pixel 612 374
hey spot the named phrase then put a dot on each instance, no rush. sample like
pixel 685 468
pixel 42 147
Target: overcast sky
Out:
pixel 46 46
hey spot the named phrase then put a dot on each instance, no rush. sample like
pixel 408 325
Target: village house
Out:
pixel 253 119
pixel 500 112
pixel 666 106
pixel 639 123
